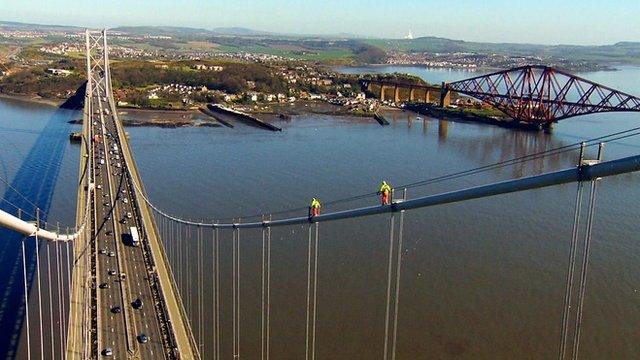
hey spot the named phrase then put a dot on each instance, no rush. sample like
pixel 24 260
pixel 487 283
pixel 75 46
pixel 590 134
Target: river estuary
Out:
pixel 481 279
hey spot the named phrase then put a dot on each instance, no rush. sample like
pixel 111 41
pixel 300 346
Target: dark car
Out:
pixel 104 286
pixel 107 352
pixel 137 304
pixel 142 338
pixel 116 310
pixel 109 233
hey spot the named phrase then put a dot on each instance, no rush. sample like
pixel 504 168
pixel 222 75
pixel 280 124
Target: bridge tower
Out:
pixel 90 329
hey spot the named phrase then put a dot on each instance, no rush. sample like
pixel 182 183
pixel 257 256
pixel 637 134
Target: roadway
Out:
pixel 122 270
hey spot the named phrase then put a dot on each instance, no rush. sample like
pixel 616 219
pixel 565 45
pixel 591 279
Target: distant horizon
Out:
pixel 267 32
pixel 545 22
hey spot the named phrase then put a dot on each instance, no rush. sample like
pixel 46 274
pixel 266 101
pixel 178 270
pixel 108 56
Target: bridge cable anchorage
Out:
pixel 585 259
pixel 26 298
pixel 571 265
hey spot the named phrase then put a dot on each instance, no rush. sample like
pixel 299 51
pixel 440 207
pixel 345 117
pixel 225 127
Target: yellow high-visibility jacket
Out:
pixel 384 187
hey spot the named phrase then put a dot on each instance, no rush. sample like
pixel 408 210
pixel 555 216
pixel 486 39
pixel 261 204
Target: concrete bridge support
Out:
pixel 396 94
pixel 382 90
pixel 445 95
pixel 427 96
pixel 412 94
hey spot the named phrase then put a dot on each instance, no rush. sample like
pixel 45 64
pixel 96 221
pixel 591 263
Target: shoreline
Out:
pixel 34 99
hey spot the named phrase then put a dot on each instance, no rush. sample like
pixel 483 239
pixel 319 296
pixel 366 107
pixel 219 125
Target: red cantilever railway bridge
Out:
pixel 533 94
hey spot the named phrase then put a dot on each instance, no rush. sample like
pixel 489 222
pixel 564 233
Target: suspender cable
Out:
pixel 268 289
pixel 570 272
pixel 187 264
pixel 234 276
pixel 315 294
pixel 213 289
pixel 181 284
pixel 217 292
pixel 238 289
pixel 26 299
pixel 60 298
pixel 37 243
pixel 398 271
pixel 389 272
pixel 70 265
pixel 51 334
pixel 585 268
pixel 306 349
pixel 200 315
pixel 262 294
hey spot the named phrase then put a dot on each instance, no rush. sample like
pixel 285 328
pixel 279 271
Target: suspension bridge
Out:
pixel 128 277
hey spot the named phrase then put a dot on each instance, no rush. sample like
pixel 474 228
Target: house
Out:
pixel 230 97
pixel 59 72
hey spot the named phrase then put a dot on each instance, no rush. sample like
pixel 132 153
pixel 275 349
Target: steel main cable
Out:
pixel 513 161
pixel 521 159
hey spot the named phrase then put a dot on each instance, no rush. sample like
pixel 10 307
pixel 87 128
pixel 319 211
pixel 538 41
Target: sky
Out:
pixel 580 22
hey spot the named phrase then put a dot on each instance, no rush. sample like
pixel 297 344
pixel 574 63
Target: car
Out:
pixel 123 276
pixel 108 233
pixel 99 186
pixel 129 216
pixel 142 338
pixel 104 286
pixel 124 191
pixel 125 200
pixel 112 272
pixel 106 203
pixel 102 251
pixel 137 303
pixel 107 352
pixel 112 254
pixel 116 310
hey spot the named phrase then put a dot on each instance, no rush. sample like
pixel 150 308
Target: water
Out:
pixel 481 279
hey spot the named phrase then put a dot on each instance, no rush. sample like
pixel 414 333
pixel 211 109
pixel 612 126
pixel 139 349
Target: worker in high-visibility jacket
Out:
pixel 314 208
pixel 385 193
